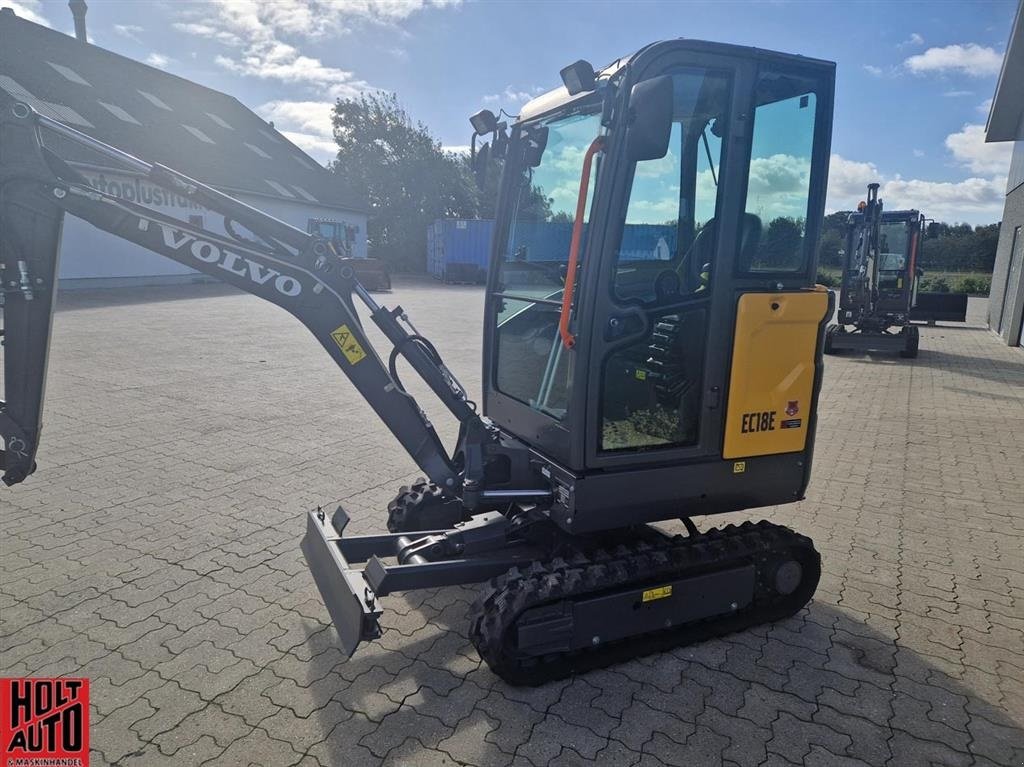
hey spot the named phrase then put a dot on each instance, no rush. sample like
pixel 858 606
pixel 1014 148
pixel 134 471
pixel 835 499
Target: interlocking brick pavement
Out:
pixel 189 429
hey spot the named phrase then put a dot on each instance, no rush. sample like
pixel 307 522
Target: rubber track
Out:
pixel 493 617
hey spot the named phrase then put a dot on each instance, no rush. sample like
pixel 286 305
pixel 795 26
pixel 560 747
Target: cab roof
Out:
pixel 559 97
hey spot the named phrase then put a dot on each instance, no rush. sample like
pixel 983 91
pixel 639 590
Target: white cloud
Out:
pixel 871 69
pixel 918 153
pixel 208 31
pixel 307 124
pixel 307 116
pixel 459 149
pixel 848 182
pixel 158 60
pixel 257 34
pixel 985 106
pixel 970 58
pixel 27 9
pixel 957 94
pixel 975 200
pixel 283 62
pixel 131 31
pixel 914 39
pixel 969 149
pixel 320 149
pixel 512 96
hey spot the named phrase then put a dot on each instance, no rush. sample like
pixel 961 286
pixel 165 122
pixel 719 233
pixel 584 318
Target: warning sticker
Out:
pixel 659 593
pixel 349 346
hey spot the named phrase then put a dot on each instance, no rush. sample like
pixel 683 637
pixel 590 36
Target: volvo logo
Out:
pixel 210 253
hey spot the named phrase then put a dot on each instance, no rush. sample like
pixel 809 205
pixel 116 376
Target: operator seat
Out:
pixel 677 342
pixel 696 265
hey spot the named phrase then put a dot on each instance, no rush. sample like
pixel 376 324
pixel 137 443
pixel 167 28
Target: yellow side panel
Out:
pixel 772 379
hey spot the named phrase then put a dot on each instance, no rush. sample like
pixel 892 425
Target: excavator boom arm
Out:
pixel 297 271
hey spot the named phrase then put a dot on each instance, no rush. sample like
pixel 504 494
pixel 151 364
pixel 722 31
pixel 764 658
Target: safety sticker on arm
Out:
pixel 348 344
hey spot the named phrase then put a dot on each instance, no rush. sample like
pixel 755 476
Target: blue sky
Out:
pixel 914 78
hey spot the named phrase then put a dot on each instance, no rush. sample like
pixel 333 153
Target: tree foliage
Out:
pixel 781 244
pixel 947 247
pixel 408 179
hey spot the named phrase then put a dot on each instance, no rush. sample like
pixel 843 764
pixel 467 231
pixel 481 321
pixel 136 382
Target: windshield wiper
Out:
pixel 707 151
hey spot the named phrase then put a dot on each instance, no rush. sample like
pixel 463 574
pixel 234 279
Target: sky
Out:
pixel 914 79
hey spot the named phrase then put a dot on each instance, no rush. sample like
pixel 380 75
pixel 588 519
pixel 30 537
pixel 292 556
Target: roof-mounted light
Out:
pixel 579 77
pixel 484 122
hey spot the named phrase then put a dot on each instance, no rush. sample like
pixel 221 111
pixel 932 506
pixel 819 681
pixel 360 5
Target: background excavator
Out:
pixel 621 387
pixel 880 296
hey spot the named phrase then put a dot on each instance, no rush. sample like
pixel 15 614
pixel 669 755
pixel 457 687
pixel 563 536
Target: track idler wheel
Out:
pixel 424 506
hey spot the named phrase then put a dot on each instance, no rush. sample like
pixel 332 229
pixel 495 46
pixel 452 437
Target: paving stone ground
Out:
pixel 189 429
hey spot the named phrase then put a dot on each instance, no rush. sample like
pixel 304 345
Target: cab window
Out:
pixel 651 391
pixel 779 179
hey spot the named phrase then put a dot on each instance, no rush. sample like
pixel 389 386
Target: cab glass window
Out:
pixel 671 227
pixel 532 364
pixel 893 241
pixel 779 180
pixel 651 388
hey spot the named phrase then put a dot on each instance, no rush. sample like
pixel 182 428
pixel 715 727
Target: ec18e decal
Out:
pixel 762 420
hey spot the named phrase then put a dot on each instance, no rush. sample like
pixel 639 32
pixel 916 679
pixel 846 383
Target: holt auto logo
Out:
pixel 792 407
pixel 44 722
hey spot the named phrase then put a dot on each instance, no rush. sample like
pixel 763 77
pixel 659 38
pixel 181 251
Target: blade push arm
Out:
pixel 295 270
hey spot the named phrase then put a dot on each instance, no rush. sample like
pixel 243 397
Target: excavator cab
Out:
pixel 652 352
pixel 645 297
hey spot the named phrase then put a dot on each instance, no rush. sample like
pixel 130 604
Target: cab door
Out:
pixel 654 385
pixel 732 210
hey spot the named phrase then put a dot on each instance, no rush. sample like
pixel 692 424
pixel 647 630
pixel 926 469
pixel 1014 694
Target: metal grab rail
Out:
pixel 568 339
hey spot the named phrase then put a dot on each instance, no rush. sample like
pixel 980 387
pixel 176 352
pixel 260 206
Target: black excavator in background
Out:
pixel 668 379
pixel 880 297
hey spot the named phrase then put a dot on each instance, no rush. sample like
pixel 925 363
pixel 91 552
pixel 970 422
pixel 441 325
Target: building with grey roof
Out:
pixel 1006 123
pixel 162 118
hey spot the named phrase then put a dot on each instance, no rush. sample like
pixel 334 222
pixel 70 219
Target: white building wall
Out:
pixel 89 254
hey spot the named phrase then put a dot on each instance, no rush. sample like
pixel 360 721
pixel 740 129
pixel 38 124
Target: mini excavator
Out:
pixel 881 275
pixel 662 362
pixel 880 296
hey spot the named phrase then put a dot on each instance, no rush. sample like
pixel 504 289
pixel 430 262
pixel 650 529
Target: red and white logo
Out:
pixel 792 407
pixel 44 722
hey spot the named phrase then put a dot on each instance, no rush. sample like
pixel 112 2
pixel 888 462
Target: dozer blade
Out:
pixel 372 273
pixel 352 595
pixel 940 307
pixel 350 601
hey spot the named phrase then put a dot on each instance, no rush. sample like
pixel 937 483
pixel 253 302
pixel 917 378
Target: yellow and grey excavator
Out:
pixel 662 362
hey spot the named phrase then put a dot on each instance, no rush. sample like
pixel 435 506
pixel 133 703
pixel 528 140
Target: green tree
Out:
pixel 533 207
pixel 781 244
pixel 404 174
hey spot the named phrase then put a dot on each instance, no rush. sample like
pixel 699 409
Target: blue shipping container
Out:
pixel 458 250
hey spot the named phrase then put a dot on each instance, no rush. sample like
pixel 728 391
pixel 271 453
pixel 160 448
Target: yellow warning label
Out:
pixel 348 344
pixel 659 593
pixel 739 467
